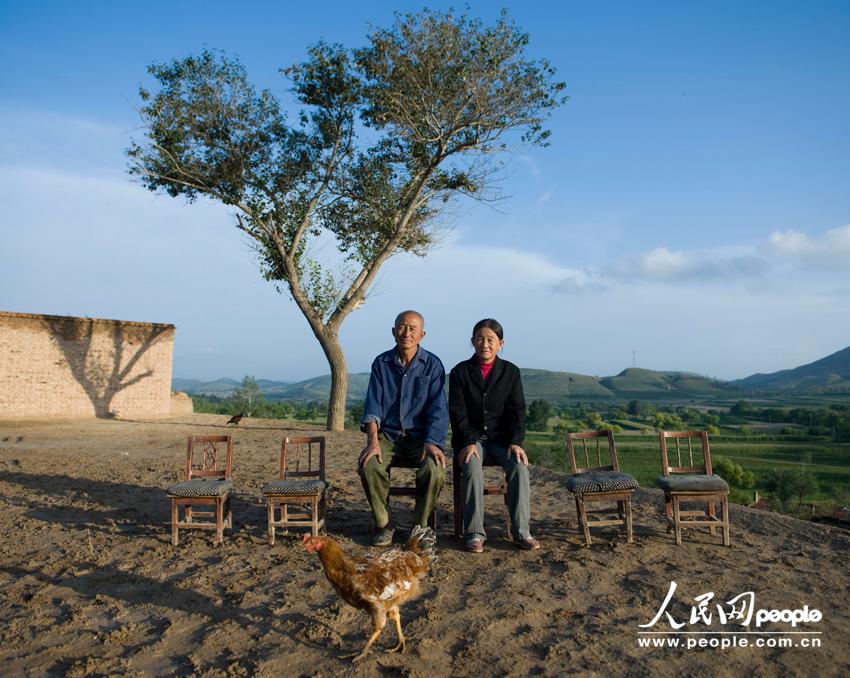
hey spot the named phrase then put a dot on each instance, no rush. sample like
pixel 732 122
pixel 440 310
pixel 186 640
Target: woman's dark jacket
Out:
pixel 495 407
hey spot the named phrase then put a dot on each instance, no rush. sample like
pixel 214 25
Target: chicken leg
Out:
pixel 379 619
pixel 393 614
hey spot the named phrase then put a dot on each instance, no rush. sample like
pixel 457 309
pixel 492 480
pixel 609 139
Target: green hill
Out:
pixel 556 387
pixel 637 382
pixel 561 386
pixel 827 375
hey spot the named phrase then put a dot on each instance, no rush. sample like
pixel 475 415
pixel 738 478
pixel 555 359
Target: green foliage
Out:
pixel 666 421
pixel 733 473
pixel 539 412
pixel 353 415
pixel 247 395
pixel 388 134
pixel 785 484
pixel 742 408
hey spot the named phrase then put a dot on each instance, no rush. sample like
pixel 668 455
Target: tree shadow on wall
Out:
pixel 103 367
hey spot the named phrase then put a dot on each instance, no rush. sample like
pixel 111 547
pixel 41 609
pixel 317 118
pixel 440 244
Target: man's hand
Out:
pixel 468 452
pixel 372 449
pixel 435 452
pixel 519 453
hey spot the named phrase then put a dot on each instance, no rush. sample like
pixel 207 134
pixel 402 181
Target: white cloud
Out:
pixel 662 263
pixel 702 265
pixel 832 248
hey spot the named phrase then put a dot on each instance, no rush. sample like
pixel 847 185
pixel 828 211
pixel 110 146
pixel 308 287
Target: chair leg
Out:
pixel 711 514
pixel 270 514
pixel 677 521
pixel 457 498
pixel 668 511
pixel 628 506
pixel 229 513
pixel 314 510
pixel 584 523
pixel 219 521
pixel 175 512
pixel 724 507
pixel 188 513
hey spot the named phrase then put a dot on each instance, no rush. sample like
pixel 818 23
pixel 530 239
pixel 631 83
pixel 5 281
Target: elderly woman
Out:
pixel 487 412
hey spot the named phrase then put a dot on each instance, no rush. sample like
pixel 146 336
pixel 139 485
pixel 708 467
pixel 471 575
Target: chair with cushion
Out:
pixel 693 482
pixel 208 483
pixel 301 483
pixel 491 488
pixel 599 483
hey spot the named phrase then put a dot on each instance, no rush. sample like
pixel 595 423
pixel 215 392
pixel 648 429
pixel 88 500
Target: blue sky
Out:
pixel 694 205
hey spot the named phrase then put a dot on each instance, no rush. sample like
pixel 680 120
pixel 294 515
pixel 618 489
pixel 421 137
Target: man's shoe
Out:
pixel 530 544
pixel 474 546
pixel 383 536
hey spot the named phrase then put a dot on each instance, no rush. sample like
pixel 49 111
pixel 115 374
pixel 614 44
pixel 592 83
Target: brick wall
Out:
pixel 82 367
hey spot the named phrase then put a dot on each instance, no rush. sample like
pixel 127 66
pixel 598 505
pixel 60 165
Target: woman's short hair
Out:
pixel 490 324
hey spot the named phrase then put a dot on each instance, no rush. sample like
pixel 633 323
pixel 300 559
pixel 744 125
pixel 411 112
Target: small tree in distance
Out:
pixel 248 395
pixel 389 134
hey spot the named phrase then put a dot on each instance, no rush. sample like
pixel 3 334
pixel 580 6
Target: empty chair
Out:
pixel 301 484
pixel 596 481
pixel 207 483
pixel 692 482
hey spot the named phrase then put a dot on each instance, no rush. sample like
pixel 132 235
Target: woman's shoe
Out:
pixel 474 546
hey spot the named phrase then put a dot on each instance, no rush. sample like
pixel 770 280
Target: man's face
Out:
pixel 408 332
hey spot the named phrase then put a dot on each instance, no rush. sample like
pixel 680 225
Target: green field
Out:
pixel 639 455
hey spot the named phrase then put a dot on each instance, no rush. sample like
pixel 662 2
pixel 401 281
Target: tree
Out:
pixel 733 473
pixel 539 412
pixel 439 97
pixel 248 395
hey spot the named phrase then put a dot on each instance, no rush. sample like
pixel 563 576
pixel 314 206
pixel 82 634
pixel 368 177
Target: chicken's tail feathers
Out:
pixel 423 540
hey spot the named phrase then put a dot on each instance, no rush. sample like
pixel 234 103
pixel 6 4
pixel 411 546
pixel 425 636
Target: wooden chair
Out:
pixel 492 488
pixel 301 482
pixel 692 483
pixel 600 482
pixel 409 491
pixel 207 483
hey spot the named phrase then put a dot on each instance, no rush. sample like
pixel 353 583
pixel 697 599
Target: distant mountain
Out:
pixel 317 388
pixel 558 387
pixel 827 375
pixel 220 387
pixel 638 382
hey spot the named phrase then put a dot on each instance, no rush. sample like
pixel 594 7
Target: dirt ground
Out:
pixel 90 584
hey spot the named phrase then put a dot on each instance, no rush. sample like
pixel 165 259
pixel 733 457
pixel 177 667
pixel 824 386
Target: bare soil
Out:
pixel 90 584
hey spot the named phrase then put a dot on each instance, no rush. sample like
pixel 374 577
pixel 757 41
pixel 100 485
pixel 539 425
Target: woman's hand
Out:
pixel 519 453
pixel 468 452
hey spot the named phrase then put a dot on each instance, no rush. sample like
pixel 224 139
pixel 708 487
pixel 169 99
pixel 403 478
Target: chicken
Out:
pixel 379 585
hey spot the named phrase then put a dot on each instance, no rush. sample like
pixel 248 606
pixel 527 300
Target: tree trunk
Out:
pixel 339 380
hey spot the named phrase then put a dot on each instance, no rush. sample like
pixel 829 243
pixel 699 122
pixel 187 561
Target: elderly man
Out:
pixel 406 422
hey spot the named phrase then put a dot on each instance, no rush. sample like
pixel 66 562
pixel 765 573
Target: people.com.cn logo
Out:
pixel 740 611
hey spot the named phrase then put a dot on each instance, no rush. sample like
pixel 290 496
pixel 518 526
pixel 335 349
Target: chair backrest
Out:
pixel 594 456
pixel 210 449
pixel 302 457
pixel 702 464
